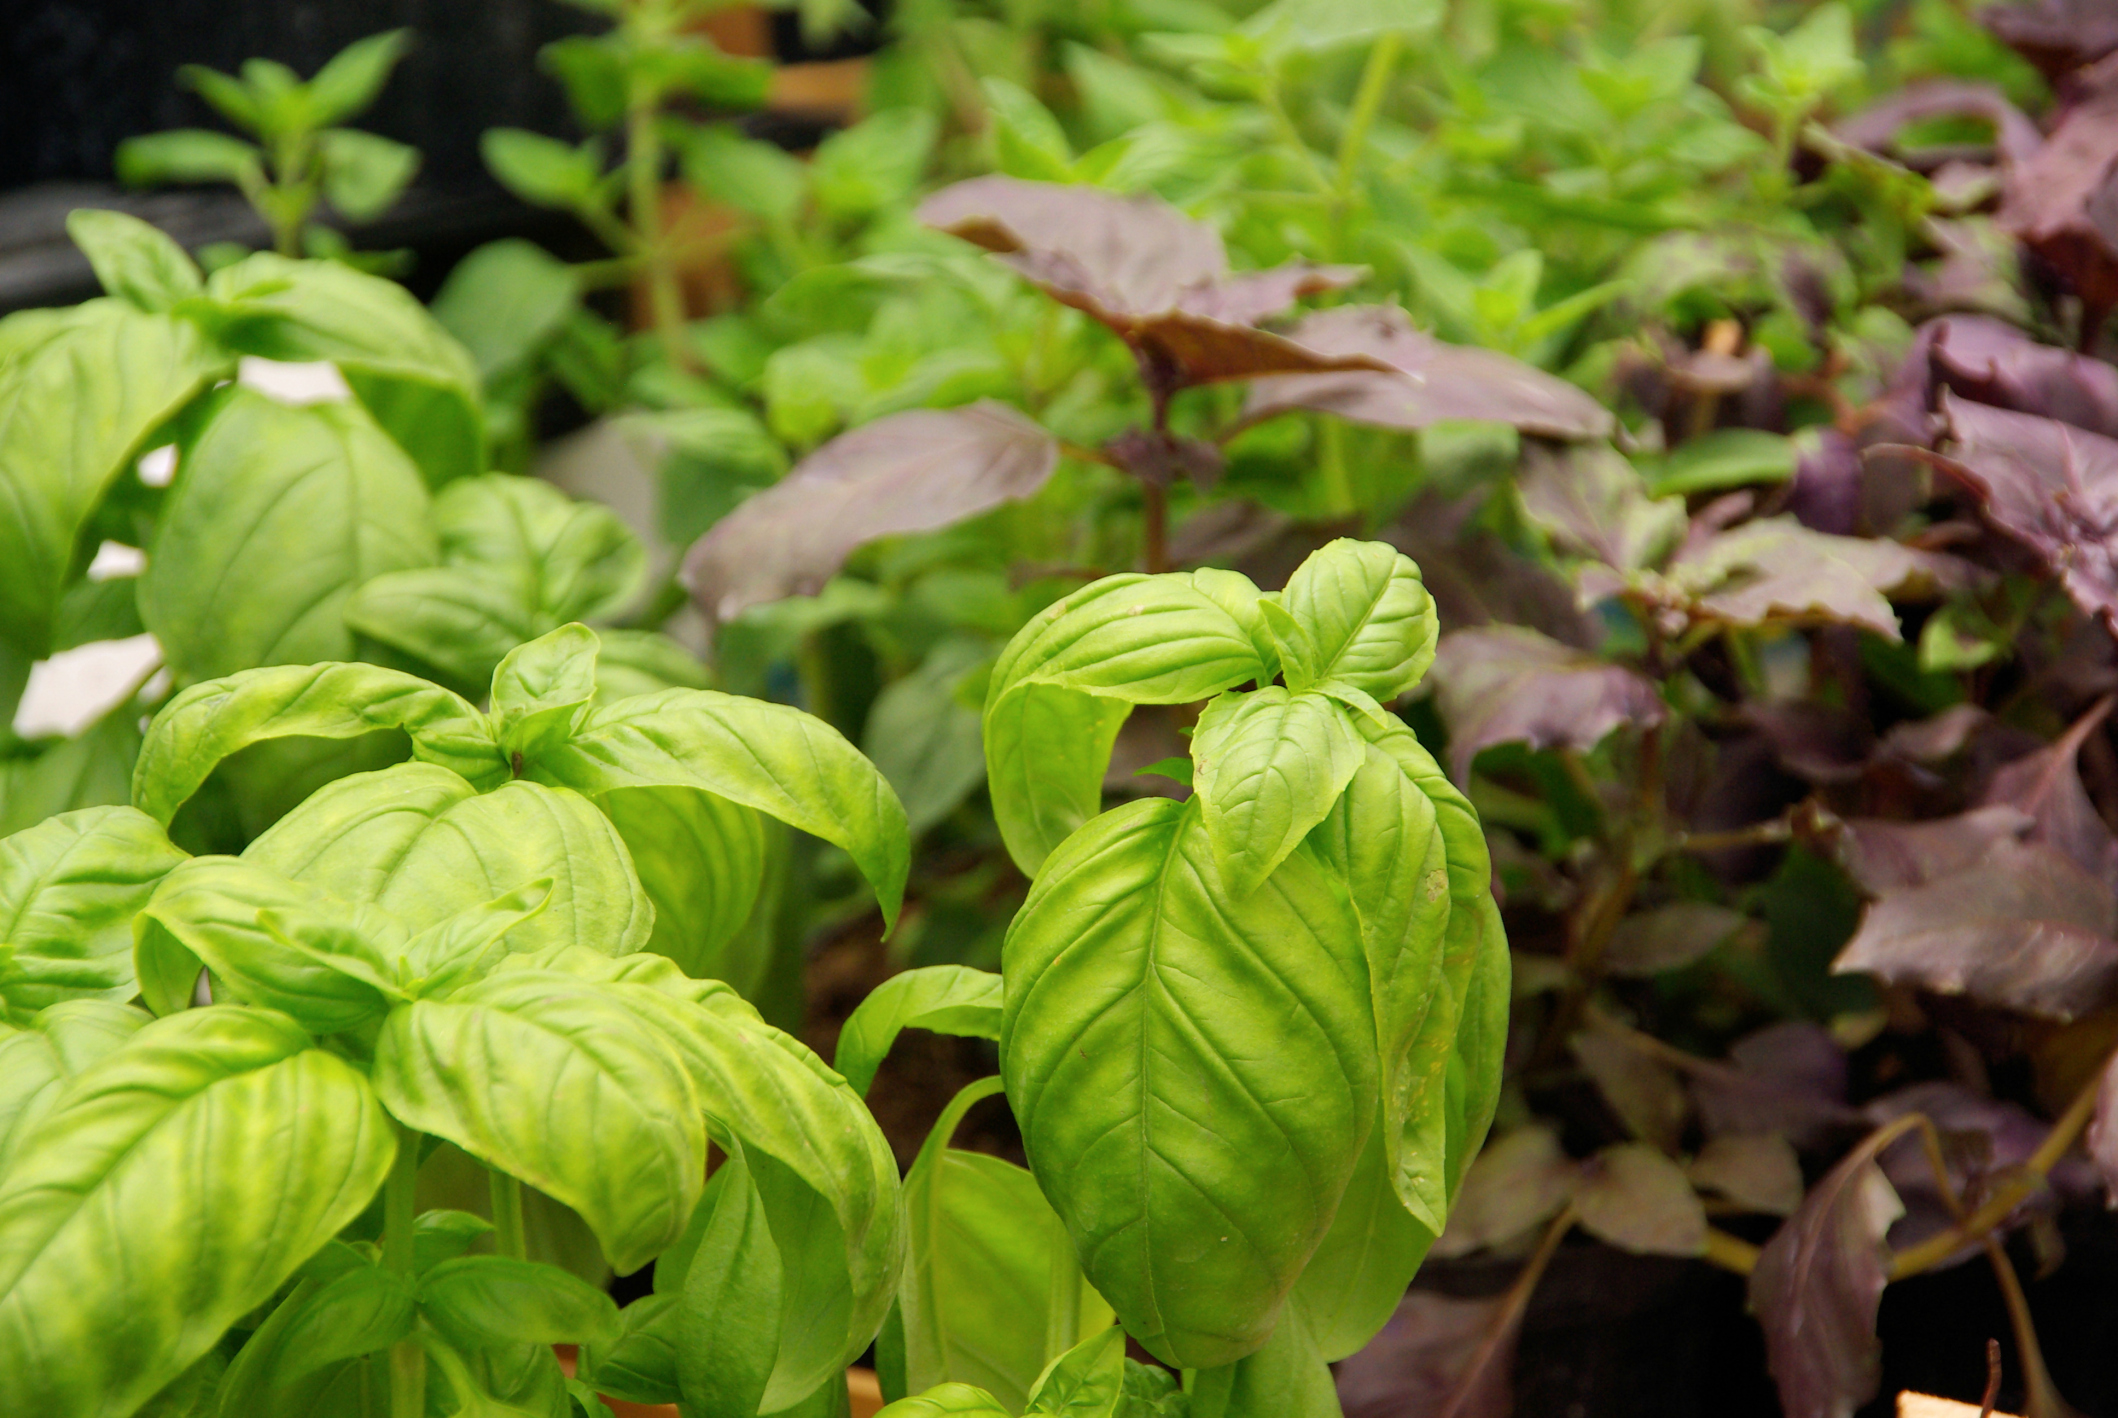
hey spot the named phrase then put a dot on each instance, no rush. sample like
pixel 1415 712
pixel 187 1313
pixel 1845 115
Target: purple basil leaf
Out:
pixel 1636 1199
pixel 1816 1288
pixel 1980 1136
pixel 1758 1171
pixel 2103 1129
pixel 1775 570
pixel 1822 743
pixel 1428 380
pixel 1157 278
pixel 1641 1089
pixel 1508 684
pixel 1420 1358
pixel 1671 937
pixel 2046 786
pixel 1593 503
pixel 2060 201
pixel 2015 137
pixel 1993 362
pixel 2048 485
pixel 909 472
pixel 2023 927
pixel 2058 36
pixel 1519 1181
pixel 1476 579
pixel 1888 856
pixel 1787 1078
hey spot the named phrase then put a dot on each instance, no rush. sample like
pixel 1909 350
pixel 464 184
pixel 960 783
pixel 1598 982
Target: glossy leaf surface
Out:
pixel 68 890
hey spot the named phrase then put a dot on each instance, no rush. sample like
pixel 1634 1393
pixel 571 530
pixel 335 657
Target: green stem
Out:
pixel 1331 468
pixel 643 176
pixel 507 1215
pixel 400 1219
pixel 1367 102
pixel 1292 137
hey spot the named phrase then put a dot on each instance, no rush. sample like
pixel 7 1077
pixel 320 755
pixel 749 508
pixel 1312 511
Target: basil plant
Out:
pixel 209 1204
pixel 1252 1039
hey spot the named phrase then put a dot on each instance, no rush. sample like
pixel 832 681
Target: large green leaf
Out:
pixel 727 1320
pixel 79 395
pixel 949 999
pixel 550 1078
pixel 207 722
pixel 171 1189
pixel 1267 767
pixel 418 382
pixel 1065 683
pixel 497 1300
pixel 1356 614
pixel 132 260
pixel 992 1294
pixel 1195 1170
pixel 289 1361
pixel 280 514
pixel 60 1042
pixel 1358 1276
pixel 68 890
pixel 422 844
pixel 520 559
pixel 1383 841
pixel 700 859
pixel 776 759
pixel 1288 1378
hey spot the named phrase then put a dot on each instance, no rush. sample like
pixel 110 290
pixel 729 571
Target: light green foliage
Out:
pixel 948 999
pixel 68 890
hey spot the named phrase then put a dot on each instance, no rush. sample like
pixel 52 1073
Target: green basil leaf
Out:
pixel 640 1363
pixel 770 757
pixel 923 739
pixel 539 687
pixel 700 859
pixel 134 261
pixel 1365 620
pixel 280 514
pixel 224 912
pixel 1358 1276
pixel 1468 1018
pixel 1288 1378
pixel 418 382
pixel 727 1320
pixel 1065 683
pixel 461 948
pixel 364 172
pixel 506 302
pixel 948 999
pixel 1382 839
pixel 1137 991
pixel 352 78
pixel 424 845
pixel 542 171
pixel 173 1187
pixel 1267 768
pixel 584 1082
pixel 291 1358
pixel 990 1265
pixel 641 662
pixel 471 1394
pixel 482 1300
pixel 947 1401
pixel 60 1042
pixel 68 890
pixel 1087 1381
pixel 207 722
pixel 187 155
pixel 444 1235
pixel 195 1393
pixel 76 407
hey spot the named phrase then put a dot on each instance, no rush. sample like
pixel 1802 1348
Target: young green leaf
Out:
pixel 1267 768
pixel 492 1300
pixel 189 155
pixel 948 999
pixel 543 171
pixel 173 1188
pixel 1136 987
pixel 352 78
pixel 1364 619
pixel 770 757
pixel 418 382
pixel 946 1401
pixel 281 514
pixel 992 1283
pixel 726 1322
pixel 506 302
pixel 364 172
pixel 76 408
pixel 1288 1376
pixel 1065 684
pixel 290 1359
pixel 133 260
pixel 208 722
pixel 68 890
pixel 422 844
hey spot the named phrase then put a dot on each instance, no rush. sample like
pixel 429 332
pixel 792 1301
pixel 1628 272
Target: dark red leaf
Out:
pixel 1817 1285
pixel 1775 570
pixel 1477 579
pixel 1430 380
pixel 1671 937
pixel 1787 1078
pixel 1508 684
pixel 2058 36
pixel 1418 1359
pixel 1993 362
pixel 2046 787
pixel 1823 743
pixel 2063 202
pixel 1888 856
pixel 1593 503
pixel 2048 485
pixel 1981 1137
pixel 2023 927
pixel 1157 278
pixel 910 472
pixel 2015 137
